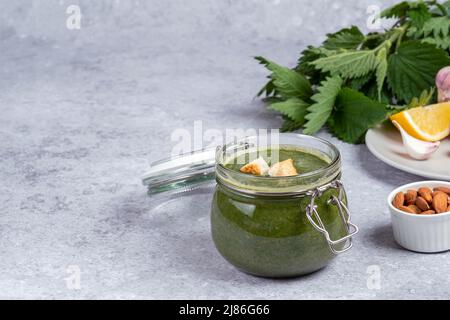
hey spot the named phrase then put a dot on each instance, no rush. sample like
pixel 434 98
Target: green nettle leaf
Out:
pixel 360 82
pixel 349 38
pixel 288 83
pixel 435 28
pixel 413 32
pixel 446 5
pixel 371 91
pixel 435 31
pixel 423 100
pixel 398 11
pixel 440 42
pixel 439 26
pixel 414 67
pixel 381 70
pixel 373 40
pixel 289 125
pixel 268 89
pixel 419 15
pixel 309 55
pixel 351 64
pixel 354 114
pixel 320 111
pixel 293 108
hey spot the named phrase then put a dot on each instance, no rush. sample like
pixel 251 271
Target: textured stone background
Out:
pixel 83 112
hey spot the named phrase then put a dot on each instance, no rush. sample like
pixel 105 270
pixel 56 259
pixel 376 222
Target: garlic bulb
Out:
pixel 443 84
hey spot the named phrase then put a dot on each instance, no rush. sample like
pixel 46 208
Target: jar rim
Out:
pixel 333 164
pixel 333 161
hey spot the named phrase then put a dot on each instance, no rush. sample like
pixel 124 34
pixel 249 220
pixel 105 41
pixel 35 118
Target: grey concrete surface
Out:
pixel 82 112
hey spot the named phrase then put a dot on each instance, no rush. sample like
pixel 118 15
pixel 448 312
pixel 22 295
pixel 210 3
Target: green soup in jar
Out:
pixel 260 224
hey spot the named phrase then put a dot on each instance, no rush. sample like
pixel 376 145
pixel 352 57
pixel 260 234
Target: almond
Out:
pixel 422 204
pixel 415 208
pixel 407 209
pixel 428 212
pixel 436 191
pixel 425 193
pixel 398 200
pixel 443 189
pixel 440 202
pixel 410 197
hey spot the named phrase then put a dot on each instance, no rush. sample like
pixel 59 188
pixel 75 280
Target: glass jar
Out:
pixel 269 226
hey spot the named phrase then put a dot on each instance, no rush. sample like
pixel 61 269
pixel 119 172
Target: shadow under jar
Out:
pixel 280 226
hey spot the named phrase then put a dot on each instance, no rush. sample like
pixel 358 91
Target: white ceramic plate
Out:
pixel 386 144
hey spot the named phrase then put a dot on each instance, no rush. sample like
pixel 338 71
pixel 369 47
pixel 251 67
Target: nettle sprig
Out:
pixel 354 81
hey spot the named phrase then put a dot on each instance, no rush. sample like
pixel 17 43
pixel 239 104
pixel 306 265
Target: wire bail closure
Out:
pixel 344 213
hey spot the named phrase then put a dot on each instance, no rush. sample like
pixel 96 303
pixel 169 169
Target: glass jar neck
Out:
pixel 286 186
pixel 252 185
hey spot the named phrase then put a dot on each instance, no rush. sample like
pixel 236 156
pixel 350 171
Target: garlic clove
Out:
pixel 417 149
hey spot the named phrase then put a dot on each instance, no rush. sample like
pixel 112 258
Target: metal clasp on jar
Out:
pixel 311 210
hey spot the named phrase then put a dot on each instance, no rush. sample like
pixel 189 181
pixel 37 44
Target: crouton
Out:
pixel 258 167
pixel 283 169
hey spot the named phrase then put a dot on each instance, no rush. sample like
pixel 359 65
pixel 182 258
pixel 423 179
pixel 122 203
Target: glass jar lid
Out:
pixel 187 171
pixel 181 173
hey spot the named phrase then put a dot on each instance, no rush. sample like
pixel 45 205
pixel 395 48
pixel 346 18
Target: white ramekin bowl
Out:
pixel 421 233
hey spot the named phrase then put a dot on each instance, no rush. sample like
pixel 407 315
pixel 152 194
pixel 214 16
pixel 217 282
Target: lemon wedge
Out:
pixel 430 123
